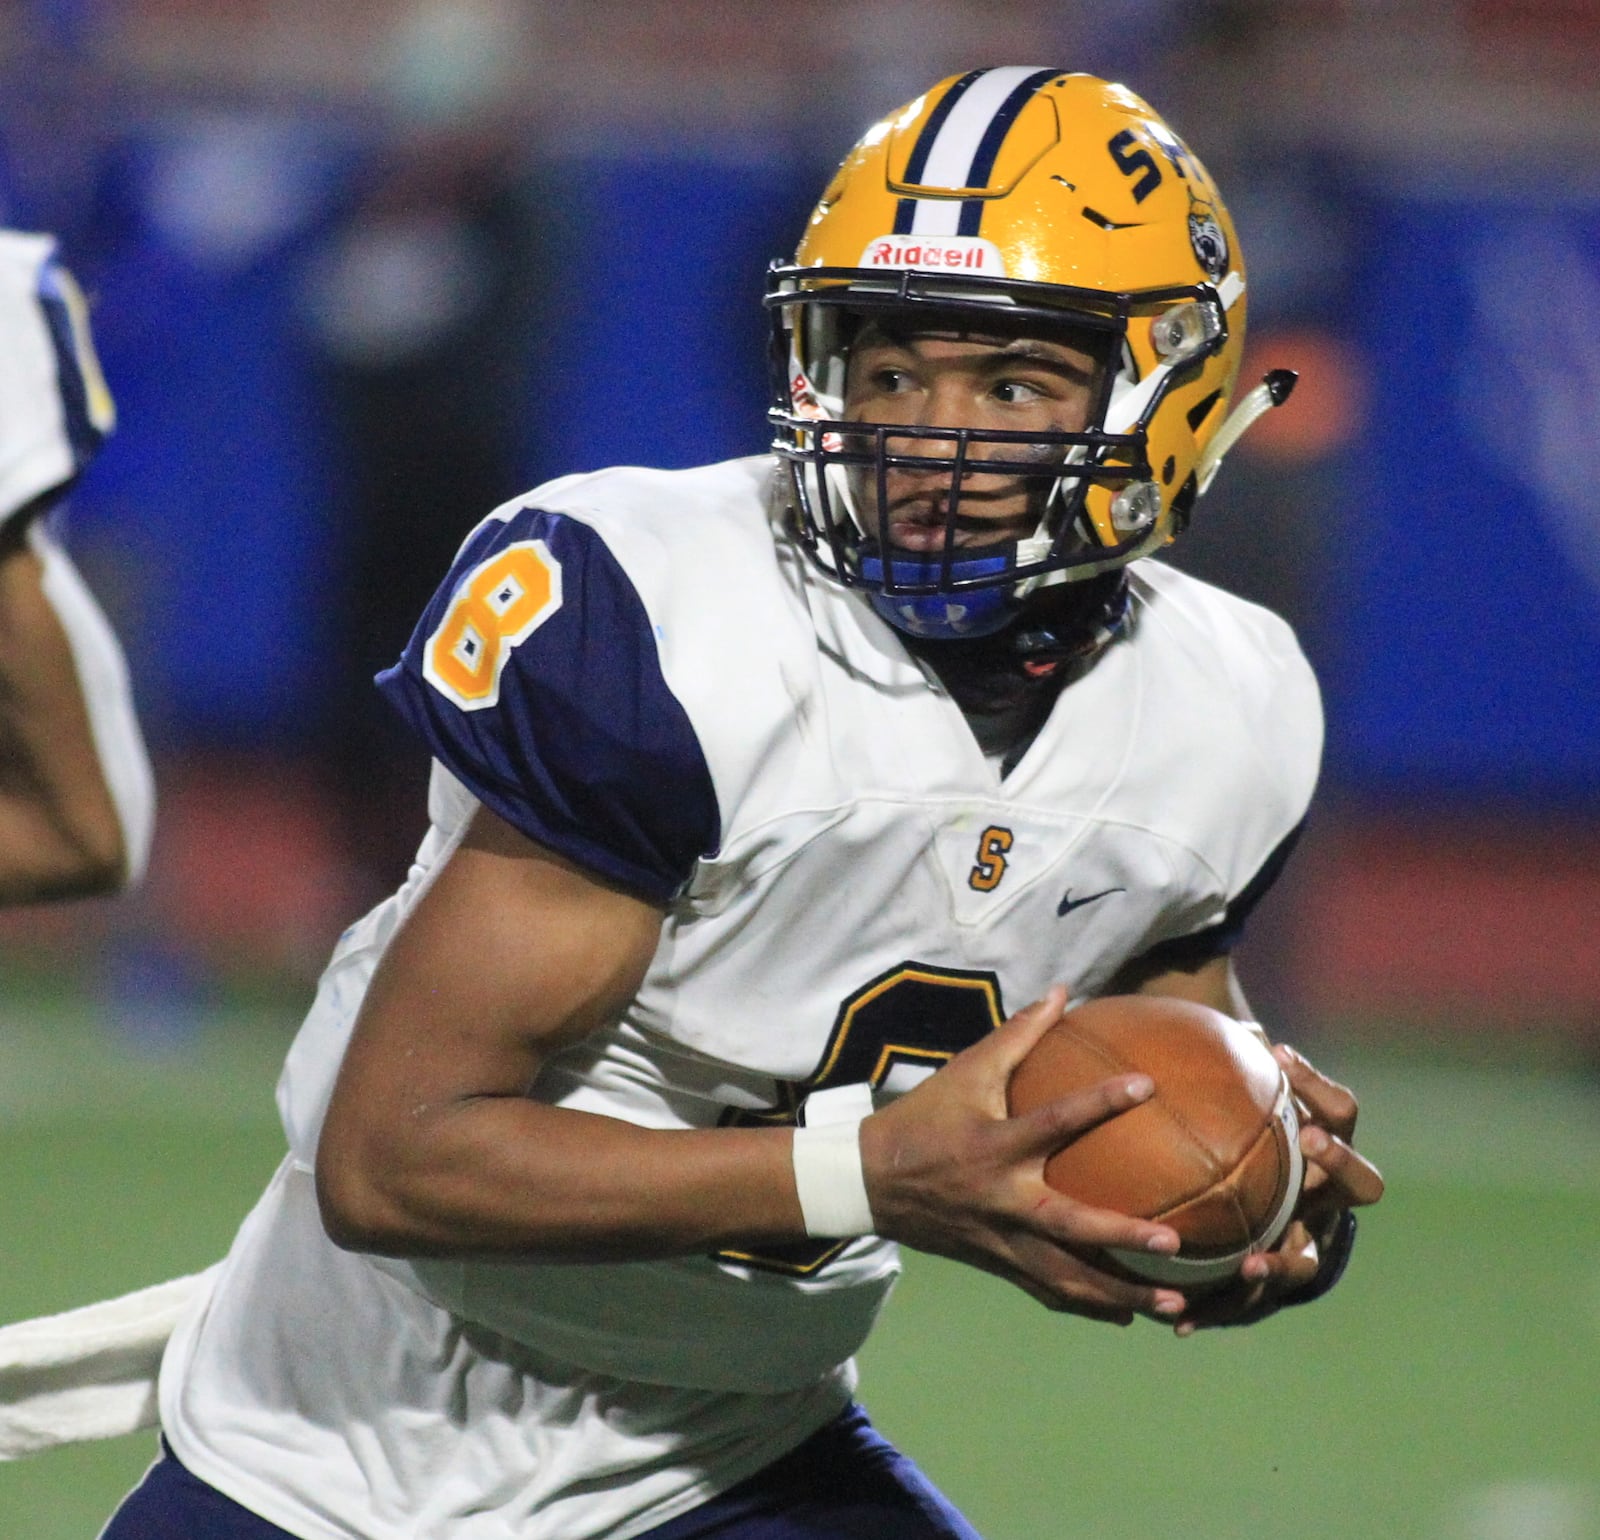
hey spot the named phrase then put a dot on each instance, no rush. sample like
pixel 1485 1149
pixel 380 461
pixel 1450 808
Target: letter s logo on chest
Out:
pixel 990 867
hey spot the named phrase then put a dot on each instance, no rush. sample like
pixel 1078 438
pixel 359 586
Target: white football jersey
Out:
pixel 54 406
pixel 639 669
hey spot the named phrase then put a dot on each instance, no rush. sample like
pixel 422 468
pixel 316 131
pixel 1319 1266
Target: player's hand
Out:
pixel 949 1172
pixel 1337 1179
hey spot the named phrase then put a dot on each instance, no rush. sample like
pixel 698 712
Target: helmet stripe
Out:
pixel 923 148
pixel 959 144
pixel 988 150
pixel 906 212
pixel 1000 125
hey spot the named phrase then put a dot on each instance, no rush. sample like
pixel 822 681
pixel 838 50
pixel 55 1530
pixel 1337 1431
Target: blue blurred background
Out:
pixel 361 270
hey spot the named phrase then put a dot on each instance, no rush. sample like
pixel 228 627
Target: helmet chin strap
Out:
pixel 1273 391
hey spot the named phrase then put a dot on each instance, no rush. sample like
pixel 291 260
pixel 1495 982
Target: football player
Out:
pixel 764 795
pixel 76 790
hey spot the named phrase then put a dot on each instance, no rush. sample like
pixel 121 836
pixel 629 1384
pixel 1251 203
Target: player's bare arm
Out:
pixel 432 1147
pixel 60 834
pixel 1338 1177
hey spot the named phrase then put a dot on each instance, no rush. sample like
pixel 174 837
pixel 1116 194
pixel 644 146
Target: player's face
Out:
pixel 934 378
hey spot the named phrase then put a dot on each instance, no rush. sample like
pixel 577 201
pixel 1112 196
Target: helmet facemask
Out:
pixel 955 583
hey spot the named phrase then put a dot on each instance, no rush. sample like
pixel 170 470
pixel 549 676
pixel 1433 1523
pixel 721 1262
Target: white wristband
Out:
pixel 827 1164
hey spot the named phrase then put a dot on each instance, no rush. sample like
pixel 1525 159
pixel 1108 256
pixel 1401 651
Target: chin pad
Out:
pixel 964 612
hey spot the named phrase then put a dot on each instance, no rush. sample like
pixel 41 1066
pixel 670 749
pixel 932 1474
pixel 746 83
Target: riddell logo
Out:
pixel 803 396
pixel 942 253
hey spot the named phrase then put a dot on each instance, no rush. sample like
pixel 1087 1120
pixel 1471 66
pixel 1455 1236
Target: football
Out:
pixel 1215 1152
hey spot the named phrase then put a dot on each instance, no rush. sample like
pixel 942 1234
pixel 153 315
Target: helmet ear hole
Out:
pixel 1202 409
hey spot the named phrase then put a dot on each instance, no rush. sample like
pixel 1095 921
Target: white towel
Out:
pixel 88 1373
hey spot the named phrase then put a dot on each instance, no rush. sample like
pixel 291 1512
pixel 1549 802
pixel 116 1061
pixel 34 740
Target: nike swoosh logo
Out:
pixel 1069 903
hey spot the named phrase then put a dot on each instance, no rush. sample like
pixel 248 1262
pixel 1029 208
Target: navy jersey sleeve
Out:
pixel 534 677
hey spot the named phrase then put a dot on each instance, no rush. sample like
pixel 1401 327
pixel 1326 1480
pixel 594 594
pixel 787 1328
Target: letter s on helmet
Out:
pixel 1025 198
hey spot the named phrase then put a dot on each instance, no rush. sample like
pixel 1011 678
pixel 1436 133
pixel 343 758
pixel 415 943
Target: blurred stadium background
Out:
pixel 362 268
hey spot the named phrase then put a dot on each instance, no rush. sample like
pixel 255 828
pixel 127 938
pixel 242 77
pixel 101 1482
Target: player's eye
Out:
pixel 1017 392
pixel 890 381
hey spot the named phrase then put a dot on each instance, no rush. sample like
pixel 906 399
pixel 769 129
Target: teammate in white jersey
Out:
pixel 768 792
pixel 76 791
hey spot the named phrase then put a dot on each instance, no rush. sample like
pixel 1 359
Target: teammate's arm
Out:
pixel 432 1147
pixel 1338 1178
pixel 76 792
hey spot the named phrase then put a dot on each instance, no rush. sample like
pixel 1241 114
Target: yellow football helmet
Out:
pixel 1030 199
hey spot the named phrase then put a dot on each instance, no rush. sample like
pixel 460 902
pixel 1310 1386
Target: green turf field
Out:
pixel 1447 1391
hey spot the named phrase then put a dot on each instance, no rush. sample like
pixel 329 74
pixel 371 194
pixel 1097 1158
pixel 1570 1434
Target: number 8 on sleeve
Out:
pixel 501 603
